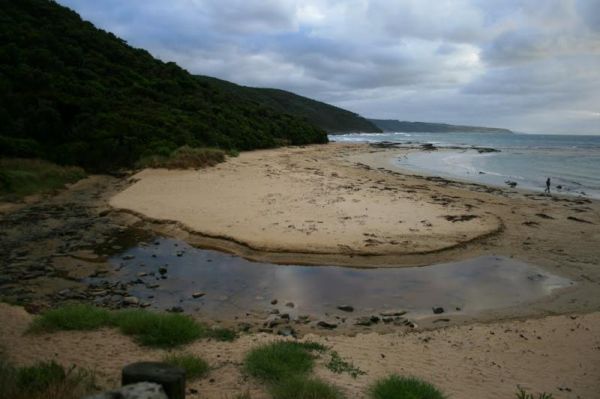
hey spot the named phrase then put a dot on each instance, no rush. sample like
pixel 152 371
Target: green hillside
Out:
pixel 75 94
pixel 328 117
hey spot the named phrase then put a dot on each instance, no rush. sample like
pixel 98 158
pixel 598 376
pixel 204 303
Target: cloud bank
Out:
pixel 528 65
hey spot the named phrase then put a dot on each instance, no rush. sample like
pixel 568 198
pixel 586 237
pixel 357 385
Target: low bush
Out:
pixel 397 387
pixel 184 158
pixel 43 380
pixel 22 177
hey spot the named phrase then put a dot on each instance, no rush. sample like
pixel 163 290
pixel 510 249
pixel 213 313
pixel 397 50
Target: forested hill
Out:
pixel 326 116
pixel 391 125
pixel 75 94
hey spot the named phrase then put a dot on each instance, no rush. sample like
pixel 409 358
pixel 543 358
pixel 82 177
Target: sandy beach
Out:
pixel 557 354
pixel 334 204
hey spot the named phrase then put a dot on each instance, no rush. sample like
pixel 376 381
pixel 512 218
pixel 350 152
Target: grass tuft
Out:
pixel 339 366
pixel 195 367
pixel 162 330
pixel 222 334
pixel 72 317
pixel 184 158
pixel 397 387
pixel 278 361
pixel 523 394
pixel 158 329
pixel 20 177
pixel 302 387
pixel 43 380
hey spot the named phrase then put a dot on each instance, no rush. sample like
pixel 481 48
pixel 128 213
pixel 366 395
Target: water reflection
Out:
pixel 233 285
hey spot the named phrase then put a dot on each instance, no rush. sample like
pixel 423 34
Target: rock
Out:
pixel 131 300
pixel 198 294
pixel 175 309
pixel 141 390
pixel 437 310
pixel 274 302
pixel 142 274
pixel 162 270
pixel 290 304
pixel 510 183
pixel 266 330
pixel 286 331
pixel 327 325
pixel 244 327
pixel 346 308
pixel 393 313
pixel 273 321
pixel 171 378
pixel 128 257
pixel 366 321
pixel 285 316
pixel 152 285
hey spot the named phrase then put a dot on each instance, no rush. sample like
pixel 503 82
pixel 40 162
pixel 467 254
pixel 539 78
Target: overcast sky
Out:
pixel 532 66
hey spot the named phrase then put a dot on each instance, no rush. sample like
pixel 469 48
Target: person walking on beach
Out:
pixel 547 190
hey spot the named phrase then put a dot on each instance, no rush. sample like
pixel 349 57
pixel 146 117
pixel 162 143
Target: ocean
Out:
pixel 572 162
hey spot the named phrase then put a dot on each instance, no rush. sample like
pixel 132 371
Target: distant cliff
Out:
pixel 391 125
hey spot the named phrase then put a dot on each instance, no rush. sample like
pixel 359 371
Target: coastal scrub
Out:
pixel 397 387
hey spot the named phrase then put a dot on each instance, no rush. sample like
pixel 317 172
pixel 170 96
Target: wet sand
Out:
pixel 557 354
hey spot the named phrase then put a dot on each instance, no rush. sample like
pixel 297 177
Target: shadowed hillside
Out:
pixel 392 125
pixel 75 94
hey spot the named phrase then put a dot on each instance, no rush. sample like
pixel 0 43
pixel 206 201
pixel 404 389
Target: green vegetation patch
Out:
pixel 43 380
pixel 21 177
pixel 278 361
pixel 523 394
pixel 163 330
pixel 195 367
pixel 339 366
pixel 397 387
pixel 185 158
pixel 302 387
pixel 72 317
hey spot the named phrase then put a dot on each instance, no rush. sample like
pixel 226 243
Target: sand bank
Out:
pixel 298 200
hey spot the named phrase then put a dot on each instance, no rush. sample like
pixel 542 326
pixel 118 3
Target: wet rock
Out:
pixel 266 330
pixel 175 309
pixel 162 270
pixel 285 316
pixel 198 294
pixel 511 183
pixel 346 308
pixel 244 327
pixel 290 304
pixel 142 274
pixel 394 313
pixel 437 310
pixel 366 321
pixel 326 325
pixel 274 302
pixel 152 285
pixel 128 257
pixel 304 319
pixel 274 311
pixel 131 300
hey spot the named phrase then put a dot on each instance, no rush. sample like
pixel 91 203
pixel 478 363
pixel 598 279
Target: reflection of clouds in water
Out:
pixel 477 284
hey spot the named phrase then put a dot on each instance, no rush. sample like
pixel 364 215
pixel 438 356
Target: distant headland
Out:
pixel 392 125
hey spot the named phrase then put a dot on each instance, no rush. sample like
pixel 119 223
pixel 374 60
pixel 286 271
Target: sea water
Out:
pixel 572 162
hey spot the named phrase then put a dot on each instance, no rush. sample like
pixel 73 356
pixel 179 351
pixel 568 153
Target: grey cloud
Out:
pixel 495 62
